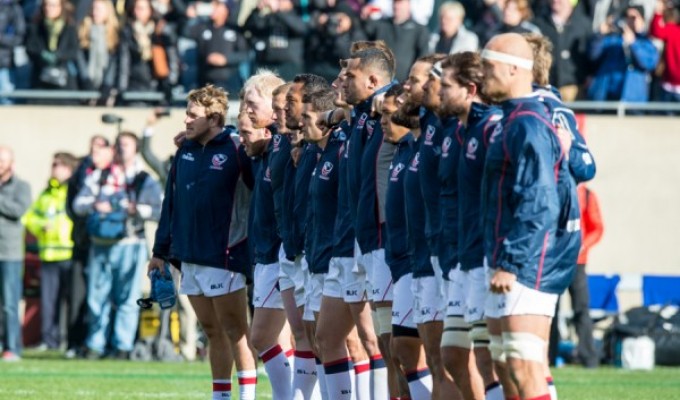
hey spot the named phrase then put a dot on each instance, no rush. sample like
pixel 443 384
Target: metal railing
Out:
pixel 621 109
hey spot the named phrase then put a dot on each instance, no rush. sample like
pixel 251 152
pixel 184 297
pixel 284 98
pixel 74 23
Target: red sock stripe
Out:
pixel 544 397
pixel 247 381
pixel 304 354
pixel 550 381
pixel 271 353
pixel 289 353
pixel 221 387
pixel 376 357
pixel 361 368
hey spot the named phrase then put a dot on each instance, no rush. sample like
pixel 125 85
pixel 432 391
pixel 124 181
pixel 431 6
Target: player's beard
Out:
pixel 451 110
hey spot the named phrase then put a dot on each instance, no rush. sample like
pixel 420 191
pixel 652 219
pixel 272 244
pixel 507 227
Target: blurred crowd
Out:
pixel 626 50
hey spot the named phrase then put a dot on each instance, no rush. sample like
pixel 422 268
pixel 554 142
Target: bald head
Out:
pixel 6 163
pixel 508 62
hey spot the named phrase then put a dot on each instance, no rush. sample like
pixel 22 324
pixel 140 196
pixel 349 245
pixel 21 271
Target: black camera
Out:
pixel 111 119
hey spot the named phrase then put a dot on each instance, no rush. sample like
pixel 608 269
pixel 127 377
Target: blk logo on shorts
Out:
pixel 351 292
pixel 217 286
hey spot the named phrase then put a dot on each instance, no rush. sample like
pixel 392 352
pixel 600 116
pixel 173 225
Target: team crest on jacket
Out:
pixel 415 162
pixel 326 170
pixel 395 172
pixel 370 125
pixel 446 145
pixel 497 131
pixel 267 175
pixel 472 149
pixel 362 121
pixel 276 140
pixel 429 134
pixel 217 161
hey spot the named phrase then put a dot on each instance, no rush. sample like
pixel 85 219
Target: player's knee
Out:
pixel 479 335
pixel 496 348
pixel 456 333
pixel 521 347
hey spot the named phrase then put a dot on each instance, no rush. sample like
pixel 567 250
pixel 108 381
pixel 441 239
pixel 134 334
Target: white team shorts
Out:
pixel 201 280
pixel 314 292
pixel 428 303
pixel 458 288
pixel 475 301
pixel 351 278
pixel 521 300
pixel 402 306
pixel 266 292
pixel 332 285
pixel 379 284
pixel 291 276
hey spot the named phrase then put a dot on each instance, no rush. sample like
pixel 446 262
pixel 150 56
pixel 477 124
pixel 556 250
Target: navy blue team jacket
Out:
pixel 197 207
pixel 343 244
pixel 482 120
pixel 303 176
pixel 280 165
pixel 448 195
pixel 419 250
pixel 430 154
pixel 265 234
pixel 397 254
pixel 323 204
pixel 520 202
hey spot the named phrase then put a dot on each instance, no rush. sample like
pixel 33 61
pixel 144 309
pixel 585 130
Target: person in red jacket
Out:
pixel 666 27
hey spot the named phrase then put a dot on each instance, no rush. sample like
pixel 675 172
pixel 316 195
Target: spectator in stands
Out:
pixel 489 16
pixel 570 32
pixel 77 308
pixel 125 196
pixel 98 57
pixel 407 39
pixel 666 26
pixel 52 46
pixel 591 231
pixel 625 58
pixel 453 36
pixel 516 17
pixel 48 221
pixel 12 31
pixel 334 30
pixel 278 33
pixel 149 59
pixel 221 48
pixel 15 198
pixel 603 11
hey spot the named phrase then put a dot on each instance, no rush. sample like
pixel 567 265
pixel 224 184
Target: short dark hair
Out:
pixel 311 83
pixel 377 60
pixel 130 135
pixel 66 159
pixel 468 66
pixel 395 90
pixel 431 58
pixel 362 45
pixel 320 100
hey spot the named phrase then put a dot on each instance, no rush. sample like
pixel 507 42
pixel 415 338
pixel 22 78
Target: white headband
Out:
pixel 436 70
pixel 508 59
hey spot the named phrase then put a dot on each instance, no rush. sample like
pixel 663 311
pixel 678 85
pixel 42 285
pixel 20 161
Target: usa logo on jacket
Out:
pixel 217 161
pixel 326 170
pixel 472 149
pixel 429 134
pixel 395 172
pixel 446 145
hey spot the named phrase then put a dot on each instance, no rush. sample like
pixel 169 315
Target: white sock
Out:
pixel 551 388
pixel 279 371
pixel 420 384
pixel 221 389
pixel 379 388
pixel 494 392
pixel 321 379
pixel 304 376
pixel 247 382
pixel 362 371
pixel 339 379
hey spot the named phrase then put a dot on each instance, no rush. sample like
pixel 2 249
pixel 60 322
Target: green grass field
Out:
pixel 55 379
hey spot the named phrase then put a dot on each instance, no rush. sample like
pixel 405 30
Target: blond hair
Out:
pixel 265 82
pixel 112 27
pixel 213 99
pixel 543 59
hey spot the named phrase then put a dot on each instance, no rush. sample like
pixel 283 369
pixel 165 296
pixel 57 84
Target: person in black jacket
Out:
pixel 278 33
pixel 407 39
pixel 149 58
pixel 333 32
pixel 52 46
pixel 12 31
pixel 98 35
pixel 570 32
pixel 221 47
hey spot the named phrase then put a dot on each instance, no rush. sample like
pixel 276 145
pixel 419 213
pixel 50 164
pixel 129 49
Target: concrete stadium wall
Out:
pixel 638 179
